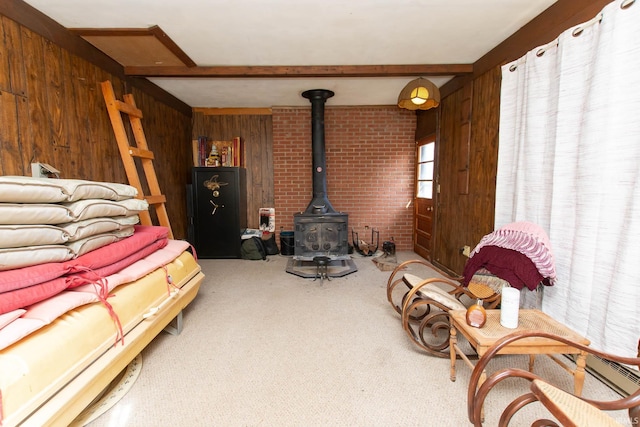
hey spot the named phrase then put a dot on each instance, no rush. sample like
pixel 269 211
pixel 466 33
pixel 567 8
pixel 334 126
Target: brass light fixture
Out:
pixel 419 94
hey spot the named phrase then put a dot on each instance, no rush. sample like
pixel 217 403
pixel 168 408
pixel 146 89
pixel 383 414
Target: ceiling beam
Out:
pixel 306 71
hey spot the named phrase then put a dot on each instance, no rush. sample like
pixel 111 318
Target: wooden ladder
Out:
pixel 128 153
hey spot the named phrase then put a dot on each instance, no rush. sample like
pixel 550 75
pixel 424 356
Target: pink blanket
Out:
pixel 528 239
pixel 22 322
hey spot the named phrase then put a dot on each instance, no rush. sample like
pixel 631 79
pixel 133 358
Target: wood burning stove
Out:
pixel 321 235
pixel 320 231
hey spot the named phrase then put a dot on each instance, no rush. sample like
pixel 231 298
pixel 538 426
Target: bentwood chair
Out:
pixel 423 304
pixel 567 408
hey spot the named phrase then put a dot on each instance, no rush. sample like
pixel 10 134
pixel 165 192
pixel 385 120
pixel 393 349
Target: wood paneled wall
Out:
pixel 464 217
pixel 52 111
pixel 256 134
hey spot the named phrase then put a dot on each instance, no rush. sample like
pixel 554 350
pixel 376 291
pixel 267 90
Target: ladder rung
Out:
pixel 117 109
pixel 155 200
pixel 128 109
pixel 144 154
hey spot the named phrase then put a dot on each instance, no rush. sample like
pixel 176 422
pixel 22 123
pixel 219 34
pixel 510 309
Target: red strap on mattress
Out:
pixel 101 286
pixel 169 280
pixel 193 251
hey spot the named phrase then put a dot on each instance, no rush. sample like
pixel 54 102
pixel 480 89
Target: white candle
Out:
pixel 509 306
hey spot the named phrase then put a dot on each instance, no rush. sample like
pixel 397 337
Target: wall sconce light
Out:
pixel 419 94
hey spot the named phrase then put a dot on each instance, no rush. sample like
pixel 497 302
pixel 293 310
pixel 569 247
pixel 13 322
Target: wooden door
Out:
pixel 423 199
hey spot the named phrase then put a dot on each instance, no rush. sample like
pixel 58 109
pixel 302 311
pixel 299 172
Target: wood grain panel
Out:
pixel 256 133
pixel 100 144
pixel 5 82
pixel 55 99
pixel 77 87
pixel 23 126
pixel 427 123
pixel 450 213
pixel 53 112
pixel 10 163
pixel 484 153
pixel 15 60
pixel 36 143
pixel 463 219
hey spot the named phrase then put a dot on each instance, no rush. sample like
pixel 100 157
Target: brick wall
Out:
pixel 370 154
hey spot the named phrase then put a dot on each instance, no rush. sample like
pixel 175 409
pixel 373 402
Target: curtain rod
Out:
pixel 625 4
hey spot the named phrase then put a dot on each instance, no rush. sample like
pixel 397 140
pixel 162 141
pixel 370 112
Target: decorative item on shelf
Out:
pixel 214 158
pixel 225 151
pixel 229 153
pixel 225 156
pixel 201 151
pixel 476 315
pixel 419 94
pixel 237 152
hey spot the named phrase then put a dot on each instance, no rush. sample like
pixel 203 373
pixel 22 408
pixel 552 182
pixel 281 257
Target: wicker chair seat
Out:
pixel 433 292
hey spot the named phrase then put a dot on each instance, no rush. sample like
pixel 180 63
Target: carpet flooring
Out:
pixel 263 347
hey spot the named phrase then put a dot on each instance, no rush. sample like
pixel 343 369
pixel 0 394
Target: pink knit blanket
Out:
pixel 527 238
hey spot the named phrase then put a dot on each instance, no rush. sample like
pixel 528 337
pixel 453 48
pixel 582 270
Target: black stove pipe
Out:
pixel 320 203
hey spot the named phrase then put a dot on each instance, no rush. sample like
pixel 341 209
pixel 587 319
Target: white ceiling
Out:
pixel 307 32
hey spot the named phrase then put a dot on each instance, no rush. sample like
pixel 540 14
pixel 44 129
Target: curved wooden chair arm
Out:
pixel 477 395
pixel 396 278
pixel 451 287
pixel 395 281
pixel 474 292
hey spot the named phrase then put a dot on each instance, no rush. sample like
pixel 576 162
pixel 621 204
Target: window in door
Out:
pixel 425 170
pixel 423 202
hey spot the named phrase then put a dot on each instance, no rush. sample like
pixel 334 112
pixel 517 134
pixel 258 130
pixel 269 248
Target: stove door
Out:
pixel 321 236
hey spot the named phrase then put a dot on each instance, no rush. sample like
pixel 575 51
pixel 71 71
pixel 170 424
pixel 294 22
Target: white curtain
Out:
pixel 569 160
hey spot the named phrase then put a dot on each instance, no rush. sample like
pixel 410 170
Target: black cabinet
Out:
pixel 219 211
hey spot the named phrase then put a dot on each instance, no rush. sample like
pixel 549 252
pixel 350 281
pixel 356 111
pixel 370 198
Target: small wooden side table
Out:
pixel 528 320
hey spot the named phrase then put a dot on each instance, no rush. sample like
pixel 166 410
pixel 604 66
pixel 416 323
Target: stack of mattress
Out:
pixel 45 221
pixel 78 277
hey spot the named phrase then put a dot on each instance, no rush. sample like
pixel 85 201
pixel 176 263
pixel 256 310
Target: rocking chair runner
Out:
pixel 426 303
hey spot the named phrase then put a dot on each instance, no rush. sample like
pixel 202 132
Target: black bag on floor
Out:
pixel 253 248
pixel 270 246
